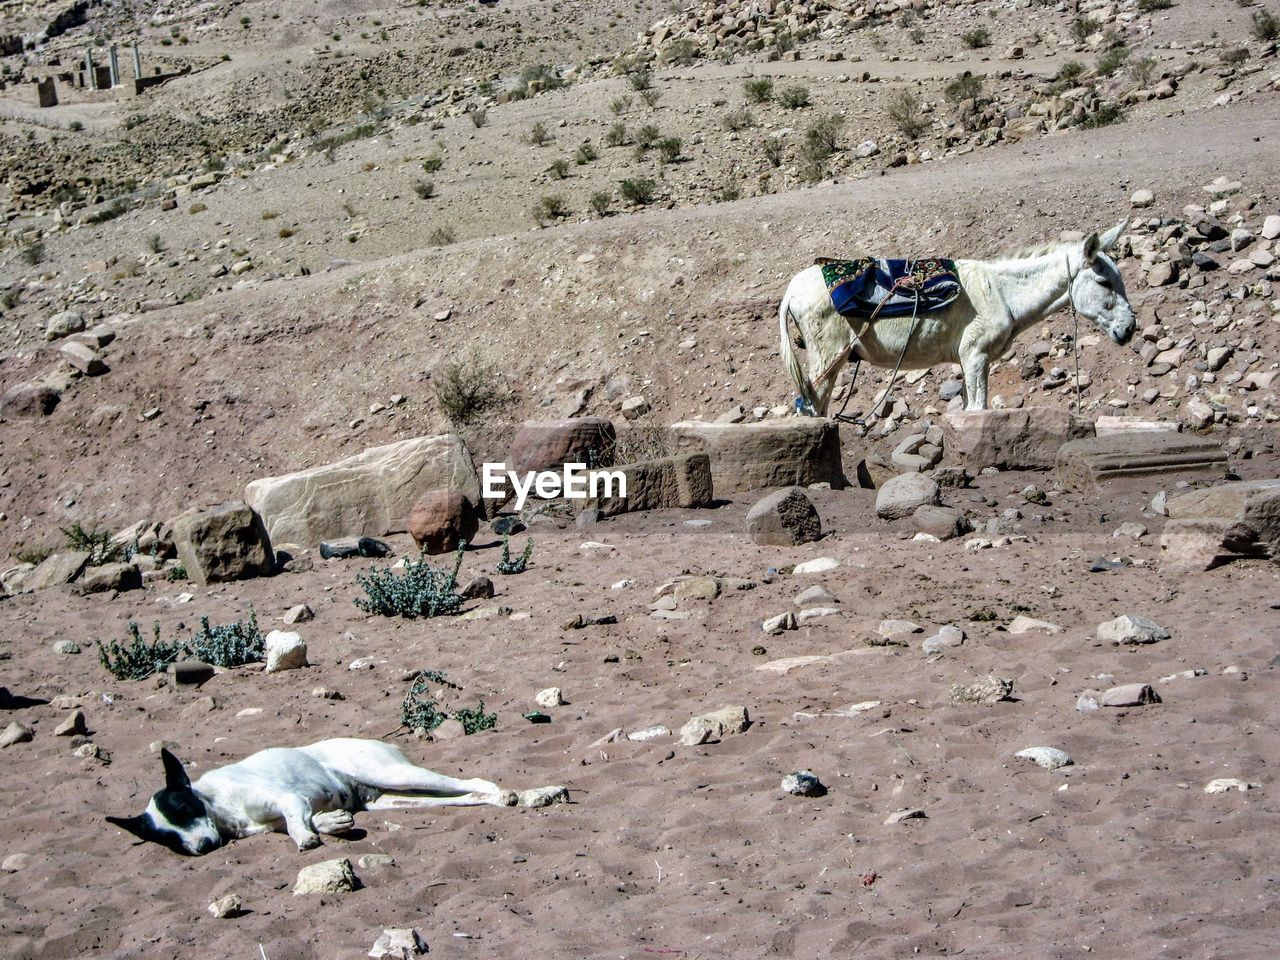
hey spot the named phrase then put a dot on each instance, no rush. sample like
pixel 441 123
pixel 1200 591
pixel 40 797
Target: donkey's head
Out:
pixel 176 817
pixel 1097 289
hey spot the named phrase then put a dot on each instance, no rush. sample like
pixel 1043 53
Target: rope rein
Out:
pixel 1075 321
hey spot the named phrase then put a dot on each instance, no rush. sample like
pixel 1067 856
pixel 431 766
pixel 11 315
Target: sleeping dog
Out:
pixel 304 791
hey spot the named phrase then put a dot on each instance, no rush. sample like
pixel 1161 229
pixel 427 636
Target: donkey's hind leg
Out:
pixel 974 365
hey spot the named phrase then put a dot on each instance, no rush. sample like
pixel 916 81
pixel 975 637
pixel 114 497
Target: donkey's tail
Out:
pixel 808 400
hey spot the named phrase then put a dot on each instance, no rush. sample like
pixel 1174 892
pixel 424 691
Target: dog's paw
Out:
pixel 334 821
pixel 309 842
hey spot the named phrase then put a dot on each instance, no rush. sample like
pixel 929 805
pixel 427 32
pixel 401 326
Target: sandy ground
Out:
pixel 695 852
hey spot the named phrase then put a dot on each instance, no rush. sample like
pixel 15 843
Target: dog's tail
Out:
pixel 808 401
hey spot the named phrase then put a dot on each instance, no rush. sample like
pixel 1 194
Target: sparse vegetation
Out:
pixel 585 154
pixel 669 149
pixel 821 141
pixel 229 645
pixel 771 147
pixel 651 97
pixel 1104 116
pixel 1082 28
pixel 420 711
pixel 616 135
pixel 680 53
pixel 432 163
pixel 1111 61
pixel 976 38
pixel 620 105
pixel 739 118
pixel 538 135
pixel 467 390
pixel 905 112
pixel 1143 70
pixel 155 244
pixel 600 201
pixel 423 591
pixel 32 254
pixel 270 214
pixel 508 567
pixel 550 206
pixel 794 97
pixel 1150 6
pixel 97 543
pixel 966 87
pixel 425 189
pixel 1068 75
pixel 441 236
pixel 1265 26
pixel 758 89
pixel 640 79
pixel 479 117
pixel 638 191
pixel 559 168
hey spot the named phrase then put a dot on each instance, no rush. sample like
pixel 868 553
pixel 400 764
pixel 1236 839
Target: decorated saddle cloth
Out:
pixel 873 287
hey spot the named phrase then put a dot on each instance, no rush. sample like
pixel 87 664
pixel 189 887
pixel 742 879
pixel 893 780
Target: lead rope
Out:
pixel 1075 334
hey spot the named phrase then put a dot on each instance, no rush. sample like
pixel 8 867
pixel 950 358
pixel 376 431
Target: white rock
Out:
pixel 225 907
pixel 649 733
pixel 549 697
pixel 285 651
pixel 803 783
pixel 1271 227
pixel 1141 199
pixel 817 613
pixel 1131 629
pixel 1021 624
pixel 783 621
pixel 328 876
pixel 63 325
pixel 1224 784
pixel 820 565
pixel 398 944
pixel 593 548
pixel 544 796
pixel 1051 758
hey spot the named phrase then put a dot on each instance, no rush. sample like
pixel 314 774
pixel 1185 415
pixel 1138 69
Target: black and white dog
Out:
pixel 304 791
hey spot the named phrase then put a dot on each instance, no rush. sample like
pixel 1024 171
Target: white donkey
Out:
pixel 1000 299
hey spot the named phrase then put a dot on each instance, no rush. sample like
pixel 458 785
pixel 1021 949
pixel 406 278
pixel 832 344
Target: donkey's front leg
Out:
pixel 974 364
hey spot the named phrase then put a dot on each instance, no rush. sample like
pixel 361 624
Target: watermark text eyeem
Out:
pixel 573 481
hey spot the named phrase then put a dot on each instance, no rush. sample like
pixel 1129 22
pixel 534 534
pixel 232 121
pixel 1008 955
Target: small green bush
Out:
pixel 600 201
pixel 620 105
pixel 976 38
pixel 422 591
pixel 1111 61
pixel 772 150
pixel 539 136
pixel 425 189
pixel 616 135
pixel 433 163
pixel 550 206
pixel 479 117
pixel 794 97
pixel 138 659
pixel 681 53
pixel 641 79
pixel 647 136
pixel 419 710
pixel 639 191
pixel 904 111
pixel 585 154
pixel 230 645
pixel 758 89
pixel 739 118
pixel 967 87
pixel 650 97
pixel 506 565
pixel 1266 25
pixel 1104 116
pixel 669 149
pixel 1150 6
pixel 96 543
pixel 468 389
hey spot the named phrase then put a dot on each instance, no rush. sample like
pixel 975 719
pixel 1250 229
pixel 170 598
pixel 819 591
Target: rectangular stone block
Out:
pixel 1024 439
pixel 673 482
pixel 1087 464
pixel 1210 527
pixel 789 452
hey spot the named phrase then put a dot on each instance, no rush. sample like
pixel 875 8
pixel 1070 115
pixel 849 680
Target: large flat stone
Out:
pixel 1023 439
pixel 1087 464
pixel 1210 527
pixel 683 482
pixel 370 494
pixel 55 570
pixel 548 444
pixel 794 451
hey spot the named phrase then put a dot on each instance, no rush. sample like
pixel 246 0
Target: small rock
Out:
pixel 783 621
pixel 481 588
pixel 191 672
pixel 298 614
pixel 815 596
pixel 285 651
pixel 375 861
pixel 904 815
pixel 946 638
pixel 1129 695
pixel 902 495
pixel 225 907
pixel 1131 630
pixel 634 407
pixel 544 796
pixel 820 565
pixel 1142 199
pixel 451 729
pixel 785 518
pixel 73 726
pixel 398 944
pixel 1051 758
pixel 714 725
pixel 986 690
pixel 1225 784
pixel 66 648
pixel 16 862
pixel 649 733
pixel 1021 624
pixel 549 697
pixel 891 628
pixel 329 876
pixel 803 783
pixel 63 325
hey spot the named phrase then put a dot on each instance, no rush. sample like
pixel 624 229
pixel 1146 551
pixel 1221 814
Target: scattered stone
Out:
pixel 901 816
pixel 901 496
pixel 1210 527
pixel 55 570
pixel 816 595
pixel 16 862
pixel 1051 758
pixel 1142 199
pixel 329 876
pixel 816 613
pixel 550 697
pixel 1135 531
pixel 480 588
pixel 803 783
pixel 301 613
pixel 84 358
pixel 783 621
pixel 226 907
pixel 1130 630
pixel 108 577
pixel 29 401
pixel 1226 784
pixel 785 518
pixel 66 648
pixel 648 733
pixel 715 725
pixel 375 861
pixel 73 726
pixel 191 672
pixel 398 944
pixel 507 526
pixel 946 638
pixel 441 520
pixel 16 733
pixel 1027 438
pixel 285 651
pixel 222 543
pixel 1021 624
pixel 1129 695
pixel 633 408
pixel 346 548
pixel 683 482
pixel 945 523
pixel 544 796
pixel 986 690
pixel 697 588
pixel 63 325
pixel 450 729
pixel 819 565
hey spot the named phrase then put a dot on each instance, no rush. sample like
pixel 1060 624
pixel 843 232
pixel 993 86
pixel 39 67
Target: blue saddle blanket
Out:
pixel 871 286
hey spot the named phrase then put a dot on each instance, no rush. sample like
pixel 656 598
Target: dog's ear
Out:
pixel 135 825
pixel 175 778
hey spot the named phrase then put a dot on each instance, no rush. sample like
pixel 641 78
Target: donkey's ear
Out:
pixel 175 778
pixel 1092 247
pixel 135 825
pixel 1109 238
